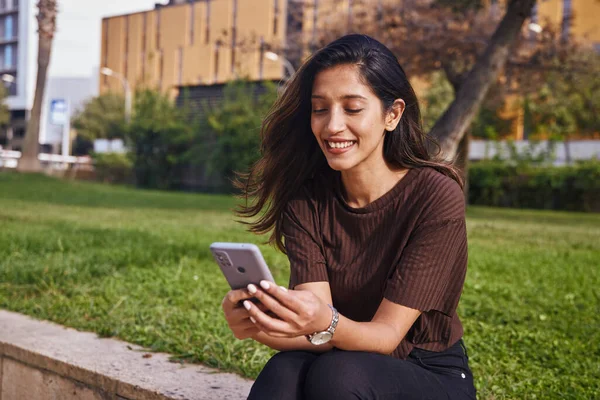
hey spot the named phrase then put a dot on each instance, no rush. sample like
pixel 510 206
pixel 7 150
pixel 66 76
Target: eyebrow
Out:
pixel 345 97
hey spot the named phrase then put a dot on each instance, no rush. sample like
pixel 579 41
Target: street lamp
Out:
pixel 126 87
pixel 288 65
pixel 534 27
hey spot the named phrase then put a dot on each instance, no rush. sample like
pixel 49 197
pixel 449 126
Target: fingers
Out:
pixel 233 297
pixel 269 325
pixel 271 304
pixel 285 297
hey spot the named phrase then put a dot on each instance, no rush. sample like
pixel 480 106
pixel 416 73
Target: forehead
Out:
pixel 340 82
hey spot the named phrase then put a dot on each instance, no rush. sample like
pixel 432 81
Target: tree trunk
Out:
pixel 451 127
pixel 462 161
pixel 567 150
pixel 29 161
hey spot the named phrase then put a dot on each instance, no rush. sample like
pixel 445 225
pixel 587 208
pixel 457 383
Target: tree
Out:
pixel 102 117
pixel 568 103
pixel 4 111
pixel 47 11
pixel 474 46
pixel 450 128
pixel 235 129
pixel 158 138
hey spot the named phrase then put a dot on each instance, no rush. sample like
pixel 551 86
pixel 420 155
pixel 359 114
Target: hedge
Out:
pixel 500 184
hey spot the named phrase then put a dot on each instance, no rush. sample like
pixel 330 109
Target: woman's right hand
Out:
pixel 237 316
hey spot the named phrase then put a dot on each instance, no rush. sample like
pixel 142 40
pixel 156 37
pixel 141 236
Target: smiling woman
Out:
pixel 374 228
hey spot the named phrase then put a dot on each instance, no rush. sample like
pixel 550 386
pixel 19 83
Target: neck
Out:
pixel 367 185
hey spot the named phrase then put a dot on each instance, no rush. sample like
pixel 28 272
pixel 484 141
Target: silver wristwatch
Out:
pixel 319 338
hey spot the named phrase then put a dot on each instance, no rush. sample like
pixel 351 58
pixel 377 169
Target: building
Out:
pixel 18 54
pixel 193 43
pixel 18 71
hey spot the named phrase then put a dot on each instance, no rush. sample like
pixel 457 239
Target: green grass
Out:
pixel 135 264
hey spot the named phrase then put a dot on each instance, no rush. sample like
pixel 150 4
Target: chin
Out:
pixel 339 165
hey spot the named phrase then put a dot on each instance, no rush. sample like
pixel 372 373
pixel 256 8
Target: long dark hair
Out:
pixel 290 152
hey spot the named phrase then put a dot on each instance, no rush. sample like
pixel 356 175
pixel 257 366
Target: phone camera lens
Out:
pixel 241 269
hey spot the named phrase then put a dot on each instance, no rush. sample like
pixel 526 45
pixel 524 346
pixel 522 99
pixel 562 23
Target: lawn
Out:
pixel 135 265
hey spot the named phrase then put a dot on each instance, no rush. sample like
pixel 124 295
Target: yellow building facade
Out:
pixel 194 43
pixel 206 42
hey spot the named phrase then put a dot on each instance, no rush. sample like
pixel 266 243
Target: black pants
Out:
pixel 340 374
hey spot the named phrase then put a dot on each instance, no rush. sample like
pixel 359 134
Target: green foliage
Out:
pixel 233 144
pixel 102 117
pixel 487 124
pixel 535 153
pixel 136 265
pixel 4 111
pixel 569 102
pixel 501 184
pixel 113 167
pixel 158 138
pixel 461 6
pixel 436 100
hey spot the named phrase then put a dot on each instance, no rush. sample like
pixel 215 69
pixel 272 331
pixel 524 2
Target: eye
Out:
pixel 354 110
pixel 319 110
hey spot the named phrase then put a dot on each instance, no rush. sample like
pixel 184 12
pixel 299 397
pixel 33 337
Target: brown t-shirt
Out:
pixel 409 246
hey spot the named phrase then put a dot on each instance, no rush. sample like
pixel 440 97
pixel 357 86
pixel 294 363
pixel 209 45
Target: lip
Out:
pixel 339 151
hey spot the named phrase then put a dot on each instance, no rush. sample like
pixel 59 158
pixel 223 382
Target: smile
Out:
pixel 339 147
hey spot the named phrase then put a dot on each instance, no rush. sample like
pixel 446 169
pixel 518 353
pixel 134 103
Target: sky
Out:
pixel 76 48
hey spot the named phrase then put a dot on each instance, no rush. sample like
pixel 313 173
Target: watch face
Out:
pixel 321 338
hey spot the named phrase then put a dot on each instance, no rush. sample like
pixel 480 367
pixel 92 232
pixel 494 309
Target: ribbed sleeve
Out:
pixel 301 235
pixel 431 271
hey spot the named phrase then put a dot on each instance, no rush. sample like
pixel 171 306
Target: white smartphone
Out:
pixel 241 263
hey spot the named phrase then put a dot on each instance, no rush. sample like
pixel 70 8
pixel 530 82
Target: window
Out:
pixel 8 57
pixel 261 62
pixel 217 61
pixel 158 28
pixel 2 5
pixel 180 65
pixel 161 68
pixel 8 27
pixel 314 31
pixel 349 15
pixel 16 4
pixel 207 21
pixel 234 35
pixel 15 30
pixel 192 21
pixel 105 55
pixel 566 20
pixel 125 64
pixel 275 16
pixel 144 29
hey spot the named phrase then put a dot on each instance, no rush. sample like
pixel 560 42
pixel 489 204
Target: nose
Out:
pixel 336 122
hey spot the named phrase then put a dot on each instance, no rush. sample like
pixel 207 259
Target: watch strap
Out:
pixel 332 326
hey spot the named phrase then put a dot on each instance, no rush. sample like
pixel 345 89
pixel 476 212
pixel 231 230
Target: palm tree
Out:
pixel 47 10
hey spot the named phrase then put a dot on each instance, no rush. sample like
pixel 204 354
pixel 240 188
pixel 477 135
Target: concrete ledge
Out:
pixel 40 360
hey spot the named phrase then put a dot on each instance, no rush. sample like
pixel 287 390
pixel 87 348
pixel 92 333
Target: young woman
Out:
pixel 374 229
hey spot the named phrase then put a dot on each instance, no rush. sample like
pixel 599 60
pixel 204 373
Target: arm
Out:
pixel 381 335
pixel 301 312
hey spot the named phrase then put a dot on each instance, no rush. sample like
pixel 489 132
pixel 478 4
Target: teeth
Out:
pixel 340 145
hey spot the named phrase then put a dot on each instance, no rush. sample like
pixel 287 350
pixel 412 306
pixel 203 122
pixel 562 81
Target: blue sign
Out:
pixel 59 112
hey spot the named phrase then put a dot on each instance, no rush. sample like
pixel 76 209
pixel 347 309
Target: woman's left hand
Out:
pixel 300 312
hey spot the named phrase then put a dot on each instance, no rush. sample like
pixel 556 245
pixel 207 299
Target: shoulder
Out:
pixel 438 196
pixel 306 199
